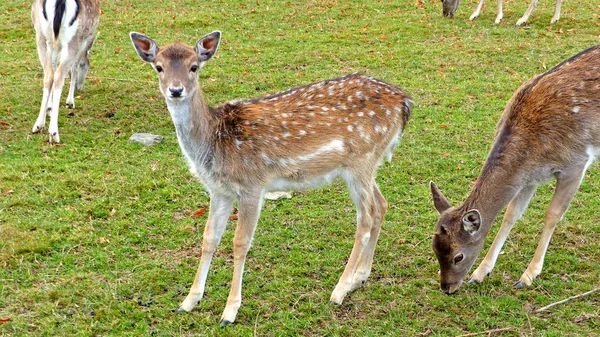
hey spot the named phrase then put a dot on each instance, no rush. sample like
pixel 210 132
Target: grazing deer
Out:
pixel 65 31
pixel 450 6
pixel 550 129
pixel 296 139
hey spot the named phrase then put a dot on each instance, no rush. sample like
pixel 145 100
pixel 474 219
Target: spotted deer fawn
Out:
pixel 550 129
pixel 450 7
pixel 296 139
pixel 65 31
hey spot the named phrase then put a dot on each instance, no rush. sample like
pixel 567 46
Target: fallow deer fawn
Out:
pixel 296 139
pixel 550 129
pixel 65 30
pixel 450 7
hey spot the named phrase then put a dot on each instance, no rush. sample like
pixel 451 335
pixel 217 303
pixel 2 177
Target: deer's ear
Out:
pixel 472 221
pixel 145 47
pixel 439 201
pixel 207 46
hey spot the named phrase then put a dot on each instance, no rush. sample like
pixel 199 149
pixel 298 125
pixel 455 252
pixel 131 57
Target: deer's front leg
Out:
pixel 220 208
pixel 249 205
pixel 566 187
pixel 514 212
pixel 362 195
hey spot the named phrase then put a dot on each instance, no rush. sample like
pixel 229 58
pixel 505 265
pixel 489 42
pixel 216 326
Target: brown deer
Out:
pixel 550 129
pixel 65 32
pixel 450 7
pixel 296 139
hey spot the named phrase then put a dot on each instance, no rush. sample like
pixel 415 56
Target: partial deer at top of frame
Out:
pixel 65 31
pixel 450 7
pixel 297 139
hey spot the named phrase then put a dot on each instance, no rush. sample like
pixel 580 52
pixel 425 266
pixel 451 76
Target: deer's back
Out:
pixel 311 130
pixel 557 114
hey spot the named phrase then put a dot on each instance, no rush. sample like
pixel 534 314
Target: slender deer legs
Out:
pixel 515 210
pixel 500 14
pixel 566 187
pixel 249 205
pixel 477 10
pixel 58 83
pixel 556 15
pixel 527 13
pixel 365 262
pixel 47 65
pixel 367 210
pixel 220 209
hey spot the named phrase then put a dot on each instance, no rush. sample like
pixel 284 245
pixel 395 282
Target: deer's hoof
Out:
pixel 180 311
pixel 223 323
pixel 520 285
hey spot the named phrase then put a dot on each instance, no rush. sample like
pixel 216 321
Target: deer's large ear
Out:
pixel 439 201
pixel 471 221
pixel 207 46
pixel 145 47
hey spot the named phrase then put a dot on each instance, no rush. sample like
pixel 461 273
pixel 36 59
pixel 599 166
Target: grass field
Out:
pixel 97 236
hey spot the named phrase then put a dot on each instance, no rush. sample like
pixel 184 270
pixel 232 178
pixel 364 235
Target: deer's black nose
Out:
pixel 176 92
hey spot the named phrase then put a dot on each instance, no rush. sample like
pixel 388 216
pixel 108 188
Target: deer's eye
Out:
pixel 458 258
pixel 159 69
pixel 194 68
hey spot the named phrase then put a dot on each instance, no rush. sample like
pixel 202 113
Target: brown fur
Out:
pixel 296 139
pixel 545 130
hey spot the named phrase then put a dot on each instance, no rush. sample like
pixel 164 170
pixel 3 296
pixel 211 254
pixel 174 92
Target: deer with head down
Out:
pixel 296 139
pixel 550 129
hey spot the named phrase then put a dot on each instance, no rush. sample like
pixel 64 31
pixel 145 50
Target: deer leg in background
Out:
pixel 527 13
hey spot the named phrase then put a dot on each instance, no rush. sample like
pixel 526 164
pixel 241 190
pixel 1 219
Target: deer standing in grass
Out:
pixel 297 139
pixel 65 31
pixel 550 129
pixel 450 7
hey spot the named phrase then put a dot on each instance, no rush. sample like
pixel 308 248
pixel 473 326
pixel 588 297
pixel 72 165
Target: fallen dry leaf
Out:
pixel 5 123
pixel 7 192
pixel 233 217
pixel 4 320
pixel 199 212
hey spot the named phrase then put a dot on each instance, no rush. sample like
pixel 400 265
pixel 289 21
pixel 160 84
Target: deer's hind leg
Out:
pixel 45 55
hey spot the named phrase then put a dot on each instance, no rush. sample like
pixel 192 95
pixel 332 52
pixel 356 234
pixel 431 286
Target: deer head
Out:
pixel 177 64
pixel 457 241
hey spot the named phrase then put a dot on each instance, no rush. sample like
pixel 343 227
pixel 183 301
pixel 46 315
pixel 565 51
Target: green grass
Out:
pixel 97 237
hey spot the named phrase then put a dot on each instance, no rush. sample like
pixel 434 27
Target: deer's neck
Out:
pixel 193 123
pixel 501 179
